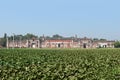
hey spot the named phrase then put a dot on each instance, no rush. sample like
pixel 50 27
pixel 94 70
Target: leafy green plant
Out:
pixel 60 64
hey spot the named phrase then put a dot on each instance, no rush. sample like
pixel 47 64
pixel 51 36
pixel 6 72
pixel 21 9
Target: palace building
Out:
pixel 61 43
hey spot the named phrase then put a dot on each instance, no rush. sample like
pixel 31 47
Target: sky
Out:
pixel 84 18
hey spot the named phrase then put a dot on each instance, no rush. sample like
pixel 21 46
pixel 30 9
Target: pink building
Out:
pixel 58 43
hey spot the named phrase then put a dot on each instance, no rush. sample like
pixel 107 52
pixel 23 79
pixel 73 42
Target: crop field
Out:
pixel 59 64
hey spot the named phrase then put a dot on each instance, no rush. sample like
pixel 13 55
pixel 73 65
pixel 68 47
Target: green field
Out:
pixel 60 64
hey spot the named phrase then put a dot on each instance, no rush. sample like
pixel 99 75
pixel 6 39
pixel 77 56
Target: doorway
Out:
pixel 84 45
pixel 59 45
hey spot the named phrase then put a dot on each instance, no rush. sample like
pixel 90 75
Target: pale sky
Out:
pixel 90 18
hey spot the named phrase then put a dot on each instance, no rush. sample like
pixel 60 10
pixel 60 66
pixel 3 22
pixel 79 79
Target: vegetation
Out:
pixel 66 64
pixel 56 36
pixel 30 36
pixel 3 40
pixel 23 37
pixel 117 44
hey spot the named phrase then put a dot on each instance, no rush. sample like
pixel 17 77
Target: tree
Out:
pixel 103 39
pixel 22 37
pixel 95 39
pixel 56 36
pixel 30 36
pixel 3 40
pixel 117 44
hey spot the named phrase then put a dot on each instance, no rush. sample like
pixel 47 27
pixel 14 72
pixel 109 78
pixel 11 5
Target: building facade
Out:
pixel 58 43
pixel 61 43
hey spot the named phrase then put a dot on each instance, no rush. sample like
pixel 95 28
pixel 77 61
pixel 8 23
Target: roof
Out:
pixel 59 40
pixel 85 38
pixel 103 41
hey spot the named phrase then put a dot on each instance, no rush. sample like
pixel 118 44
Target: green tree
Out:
pixel 95 39
pixel 30 36
pixel 3 40
pixel 103 39
pixel 23 37
pixel 56 36
pixel 117 44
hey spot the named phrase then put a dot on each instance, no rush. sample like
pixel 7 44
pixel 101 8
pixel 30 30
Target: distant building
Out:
pixel 103 44
pixel 17 44
pixel 34 43
pixel 62 43
pixel 85 42
pixel 58 43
